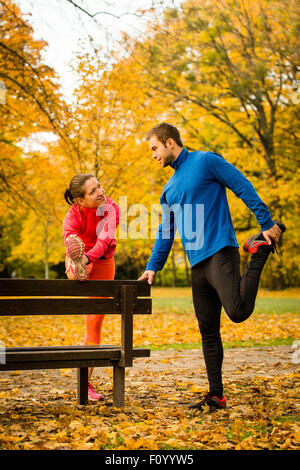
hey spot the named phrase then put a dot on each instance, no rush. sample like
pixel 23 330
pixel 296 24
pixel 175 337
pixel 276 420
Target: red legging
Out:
pixel 103 269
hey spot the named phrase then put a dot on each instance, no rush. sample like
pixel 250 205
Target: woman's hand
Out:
pixel 85 259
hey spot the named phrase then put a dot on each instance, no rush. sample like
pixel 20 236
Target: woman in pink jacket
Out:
pixel 89 233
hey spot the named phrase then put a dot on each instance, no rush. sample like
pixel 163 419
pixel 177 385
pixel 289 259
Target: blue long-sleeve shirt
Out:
pixel 194 200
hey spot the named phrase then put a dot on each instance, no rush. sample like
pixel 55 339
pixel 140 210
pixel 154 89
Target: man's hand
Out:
pixel 148 275
pixel 272 233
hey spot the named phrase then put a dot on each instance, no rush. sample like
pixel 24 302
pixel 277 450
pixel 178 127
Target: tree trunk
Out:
pixel 187 269
pixel 46 251
pixel 173 267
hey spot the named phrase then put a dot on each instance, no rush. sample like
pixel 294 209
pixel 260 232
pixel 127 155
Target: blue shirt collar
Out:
pixel 180 159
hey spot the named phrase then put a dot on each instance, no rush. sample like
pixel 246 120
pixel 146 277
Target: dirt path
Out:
pixel 266 361
pixel 163 367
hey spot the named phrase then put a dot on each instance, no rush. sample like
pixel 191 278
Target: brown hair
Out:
pixel 165 131
pixel 75 188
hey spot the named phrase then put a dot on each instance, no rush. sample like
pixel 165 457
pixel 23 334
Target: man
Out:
pixel 194 201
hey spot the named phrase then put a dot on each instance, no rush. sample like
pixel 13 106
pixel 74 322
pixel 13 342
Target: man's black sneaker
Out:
pixel 253 243
pixel 214 403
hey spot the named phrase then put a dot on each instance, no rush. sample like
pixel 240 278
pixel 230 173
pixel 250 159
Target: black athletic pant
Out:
pixel 217 282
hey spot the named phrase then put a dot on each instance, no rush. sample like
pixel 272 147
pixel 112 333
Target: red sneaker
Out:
pixel 93 395
pixel 74 247
pixel 253 243
pixel 214 403
pixel 74 260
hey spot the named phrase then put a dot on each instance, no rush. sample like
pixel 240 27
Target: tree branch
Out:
pixel 104 12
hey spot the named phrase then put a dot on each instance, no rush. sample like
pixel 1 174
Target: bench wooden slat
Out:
pixel 45 348
pixel 69 306
pixel 65 287
pixel 66 361
pixel 48 355
pixel 58 364
pixel 71 354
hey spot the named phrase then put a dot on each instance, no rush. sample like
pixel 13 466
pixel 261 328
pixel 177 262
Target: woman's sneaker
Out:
pixel 213 402
pixel 253 243
pixel 93 395
pixel 74 262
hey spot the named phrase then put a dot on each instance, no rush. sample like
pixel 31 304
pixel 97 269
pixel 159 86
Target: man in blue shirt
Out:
pixel 194 201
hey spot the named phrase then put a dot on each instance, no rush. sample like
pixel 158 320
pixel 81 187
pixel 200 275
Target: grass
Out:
pixel 169 292
pixel 180 300
pixel 226 345
pixel 277 305
pixel 264 305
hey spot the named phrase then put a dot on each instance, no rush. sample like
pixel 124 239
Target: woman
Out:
pixel 89 233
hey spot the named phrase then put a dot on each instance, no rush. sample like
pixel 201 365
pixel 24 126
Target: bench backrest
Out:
pixel 65 297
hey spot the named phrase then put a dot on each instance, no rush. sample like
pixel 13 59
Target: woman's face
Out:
pixel 93 194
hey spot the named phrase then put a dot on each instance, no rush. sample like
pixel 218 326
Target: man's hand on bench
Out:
pixel 148 275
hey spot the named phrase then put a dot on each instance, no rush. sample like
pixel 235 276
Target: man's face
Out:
pixel 162 153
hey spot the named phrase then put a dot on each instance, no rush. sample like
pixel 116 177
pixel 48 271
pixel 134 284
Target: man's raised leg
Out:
pixel 237 293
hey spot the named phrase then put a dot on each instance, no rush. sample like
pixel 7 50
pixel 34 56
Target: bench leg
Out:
pixel 119 386
pixel 82 385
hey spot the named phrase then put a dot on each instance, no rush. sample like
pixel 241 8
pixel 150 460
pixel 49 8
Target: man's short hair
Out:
pixel 165 131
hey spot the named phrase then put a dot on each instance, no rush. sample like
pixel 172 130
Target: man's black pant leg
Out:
pixel 237 294
pixel 216 282
pixel 208 311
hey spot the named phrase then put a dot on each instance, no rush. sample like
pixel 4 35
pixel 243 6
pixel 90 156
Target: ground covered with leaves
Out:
pixel 38 409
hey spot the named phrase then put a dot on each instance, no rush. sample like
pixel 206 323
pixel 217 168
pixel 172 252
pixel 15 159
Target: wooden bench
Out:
pixel 64 297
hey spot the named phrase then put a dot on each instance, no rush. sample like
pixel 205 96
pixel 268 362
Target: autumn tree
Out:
pixel 225 72
pixel 229 70
pixel 40 239
pixel 32 102
pixel 108 120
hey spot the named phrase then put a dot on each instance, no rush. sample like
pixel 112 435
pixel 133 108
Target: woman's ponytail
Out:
pixel 68 197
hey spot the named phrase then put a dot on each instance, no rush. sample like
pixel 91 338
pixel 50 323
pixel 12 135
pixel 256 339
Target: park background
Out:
pixel 226 73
